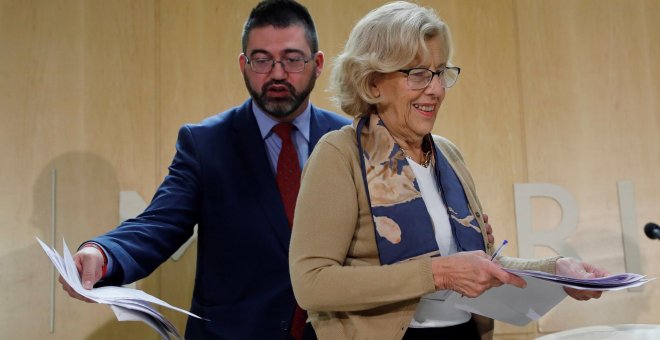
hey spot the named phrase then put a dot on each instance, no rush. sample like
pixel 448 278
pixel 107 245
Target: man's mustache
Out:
pixel 288 85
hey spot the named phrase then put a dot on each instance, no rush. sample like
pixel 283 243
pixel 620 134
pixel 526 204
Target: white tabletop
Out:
pixel 613 332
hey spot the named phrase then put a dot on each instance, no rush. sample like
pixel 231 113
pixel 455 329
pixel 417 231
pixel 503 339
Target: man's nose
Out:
pixel 278 71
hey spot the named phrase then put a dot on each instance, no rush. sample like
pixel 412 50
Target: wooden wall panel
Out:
pixel 77 94
pixel 589 73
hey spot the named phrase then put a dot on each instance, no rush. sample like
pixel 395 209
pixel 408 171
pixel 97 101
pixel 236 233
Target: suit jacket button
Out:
pixel 284 325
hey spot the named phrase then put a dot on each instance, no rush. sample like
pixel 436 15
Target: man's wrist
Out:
pixel 104 269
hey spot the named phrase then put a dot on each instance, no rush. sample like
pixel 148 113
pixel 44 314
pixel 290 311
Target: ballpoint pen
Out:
pixel 497 252
pixel 499 249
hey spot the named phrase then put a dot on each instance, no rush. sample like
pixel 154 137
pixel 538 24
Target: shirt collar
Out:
pixel 266 123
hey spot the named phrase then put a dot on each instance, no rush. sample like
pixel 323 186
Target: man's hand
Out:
pixel 89 262
pixel 571 267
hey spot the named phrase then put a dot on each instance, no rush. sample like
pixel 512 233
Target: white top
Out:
pixel 431 311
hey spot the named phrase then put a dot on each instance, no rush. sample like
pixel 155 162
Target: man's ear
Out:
pixel 242 60
pixel 319 59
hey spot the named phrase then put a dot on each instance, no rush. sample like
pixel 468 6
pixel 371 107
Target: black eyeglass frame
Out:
pixel 433 73
pixel 281 62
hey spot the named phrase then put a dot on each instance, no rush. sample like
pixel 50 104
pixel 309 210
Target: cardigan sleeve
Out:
pixel 332 245
pixel 546 264
pixel 454 155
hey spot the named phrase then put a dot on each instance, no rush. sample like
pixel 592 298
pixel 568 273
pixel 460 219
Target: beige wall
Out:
pixel 562 92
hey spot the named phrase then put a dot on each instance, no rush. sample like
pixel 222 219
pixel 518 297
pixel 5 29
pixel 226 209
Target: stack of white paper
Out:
pixel 544 291
pixel 612 282
pixel 127 304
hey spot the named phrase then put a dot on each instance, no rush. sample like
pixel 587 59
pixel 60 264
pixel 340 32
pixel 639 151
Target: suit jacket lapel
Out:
pixel 318 126
pixel 252 151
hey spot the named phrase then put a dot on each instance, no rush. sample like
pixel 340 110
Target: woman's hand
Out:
pixel 471 273
pixel 571 267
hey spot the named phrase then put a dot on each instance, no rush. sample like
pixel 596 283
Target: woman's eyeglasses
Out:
pixel 419 78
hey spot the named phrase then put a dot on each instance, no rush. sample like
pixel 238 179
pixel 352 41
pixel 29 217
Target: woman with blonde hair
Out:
pixel 388 222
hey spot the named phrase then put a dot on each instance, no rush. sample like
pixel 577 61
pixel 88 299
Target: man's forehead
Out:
pixel 278 40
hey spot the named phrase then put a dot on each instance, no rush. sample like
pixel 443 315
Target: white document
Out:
pixel 128 304
pixel 518 306
pixel 511 304
pixel 612 282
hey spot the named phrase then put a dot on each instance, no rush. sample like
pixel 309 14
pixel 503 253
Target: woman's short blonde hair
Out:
pixel 387 39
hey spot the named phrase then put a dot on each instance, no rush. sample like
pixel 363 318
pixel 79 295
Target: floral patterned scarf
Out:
pixel 404 229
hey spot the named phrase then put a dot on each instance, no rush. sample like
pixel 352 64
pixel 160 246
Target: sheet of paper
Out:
pixel 544 291
pixel 126 303
pixel 126 314
pixel 612 282
pixel 513 305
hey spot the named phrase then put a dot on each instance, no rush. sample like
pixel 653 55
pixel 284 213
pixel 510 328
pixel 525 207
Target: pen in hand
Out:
pixel 497 252
pixel 499 249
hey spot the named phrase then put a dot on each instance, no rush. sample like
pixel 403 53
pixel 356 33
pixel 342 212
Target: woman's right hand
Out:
pixel 471 273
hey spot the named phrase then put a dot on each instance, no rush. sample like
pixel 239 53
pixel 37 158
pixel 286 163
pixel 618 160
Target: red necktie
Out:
pixel 288 182
pixel 288 170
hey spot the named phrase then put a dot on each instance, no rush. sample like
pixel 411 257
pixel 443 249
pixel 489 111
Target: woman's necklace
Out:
pixel 426 155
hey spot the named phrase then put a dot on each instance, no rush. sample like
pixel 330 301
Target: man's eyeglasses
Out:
pixel 419 78
pixel 289 64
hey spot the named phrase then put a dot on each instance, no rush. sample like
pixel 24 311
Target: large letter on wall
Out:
pixel 527 236
pixel 629 228
pixel 131 204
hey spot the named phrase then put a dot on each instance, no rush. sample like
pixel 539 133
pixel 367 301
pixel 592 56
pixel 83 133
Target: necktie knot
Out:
pixel 283 130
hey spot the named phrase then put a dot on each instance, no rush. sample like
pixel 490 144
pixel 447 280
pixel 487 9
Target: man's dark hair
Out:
pixel 281 14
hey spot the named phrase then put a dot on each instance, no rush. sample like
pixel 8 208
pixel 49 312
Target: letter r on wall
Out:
pixel 527 236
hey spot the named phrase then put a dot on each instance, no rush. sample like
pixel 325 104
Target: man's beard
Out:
pixel 281 106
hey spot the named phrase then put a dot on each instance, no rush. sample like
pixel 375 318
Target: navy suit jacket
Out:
pixel 221 179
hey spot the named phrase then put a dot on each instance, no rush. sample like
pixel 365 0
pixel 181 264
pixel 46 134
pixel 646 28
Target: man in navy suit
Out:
pixel 223 178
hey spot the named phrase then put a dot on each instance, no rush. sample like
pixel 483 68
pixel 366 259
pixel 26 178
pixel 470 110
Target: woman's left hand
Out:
pixel 570 267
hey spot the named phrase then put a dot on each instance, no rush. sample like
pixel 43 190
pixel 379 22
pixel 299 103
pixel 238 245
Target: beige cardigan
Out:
pixel 335 269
